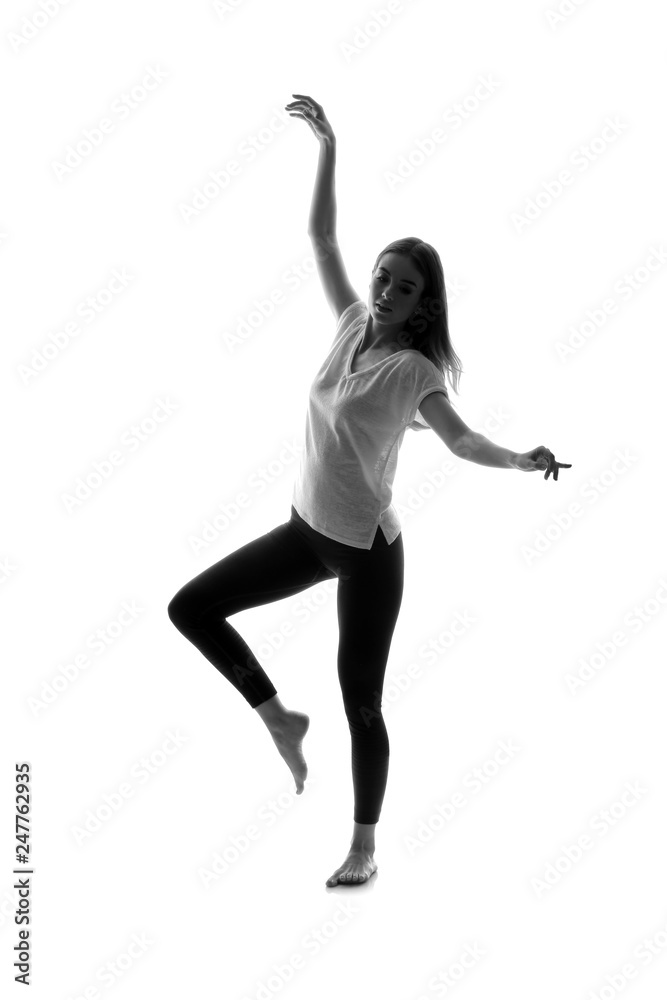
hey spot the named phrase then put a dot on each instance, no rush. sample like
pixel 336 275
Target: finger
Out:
pixel 306 113
pixel 303 116
pixel 308 101
pixel 306 97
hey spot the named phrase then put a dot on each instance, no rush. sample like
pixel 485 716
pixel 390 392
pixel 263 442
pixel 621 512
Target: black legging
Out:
pixel 283 562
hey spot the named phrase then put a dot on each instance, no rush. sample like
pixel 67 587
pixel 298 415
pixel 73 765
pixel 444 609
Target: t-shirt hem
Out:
pixel 337 538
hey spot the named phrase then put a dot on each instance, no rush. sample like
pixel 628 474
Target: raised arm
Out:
pixel 322 220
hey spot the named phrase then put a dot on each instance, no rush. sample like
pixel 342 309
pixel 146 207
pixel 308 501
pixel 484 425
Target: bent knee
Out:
pixel 173 609
pixel 180 610
pixel 186 611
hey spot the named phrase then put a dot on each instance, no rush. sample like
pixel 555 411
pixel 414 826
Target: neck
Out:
pixel 377 337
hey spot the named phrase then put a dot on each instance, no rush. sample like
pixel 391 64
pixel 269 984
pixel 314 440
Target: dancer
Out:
pixel 384 372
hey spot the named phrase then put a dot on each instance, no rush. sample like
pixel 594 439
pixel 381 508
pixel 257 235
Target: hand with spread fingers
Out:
pixel 540 458
pixel 310 111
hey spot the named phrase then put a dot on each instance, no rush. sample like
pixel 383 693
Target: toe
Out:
pixel 351 874
pixel 333 879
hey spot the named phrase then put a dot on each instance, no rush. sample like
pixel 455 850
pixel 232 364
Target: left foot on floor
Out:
pixel 357 867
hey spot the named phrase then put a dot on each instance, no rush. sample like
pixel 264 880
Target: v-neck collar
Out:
pixel 348 367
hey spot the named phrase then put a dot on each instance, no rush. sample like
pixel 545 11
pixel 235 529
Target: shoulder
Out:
pixel 350 313
pixel 420 363
pixel 351 318
pixel 420 377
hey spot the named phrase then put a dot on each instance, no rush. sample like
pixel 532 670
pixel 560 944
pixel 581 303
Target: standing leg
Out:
pixel 369 600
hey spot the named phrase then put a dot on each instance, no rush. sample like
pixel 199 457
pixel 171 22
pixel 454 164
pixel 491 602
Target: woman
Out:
pixel 386 363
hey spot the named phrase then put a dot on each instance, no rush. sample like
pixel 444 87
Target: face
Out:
pixel 397 283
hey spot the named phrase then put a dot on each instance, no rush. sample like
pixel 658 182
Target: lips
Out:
pixel 382 307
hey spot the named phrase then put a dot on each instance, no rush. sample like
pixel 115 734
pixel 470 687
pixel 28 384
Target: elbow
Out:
pixel 324 236
pixel 464 445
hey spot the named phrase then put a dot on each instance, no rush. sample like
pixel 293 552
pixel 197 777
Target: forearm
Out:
pixel 476 448
pixel 322 218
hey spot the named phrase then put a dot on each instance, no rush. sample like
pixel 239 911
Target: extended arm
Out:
pixel 461 440
pixel 439 414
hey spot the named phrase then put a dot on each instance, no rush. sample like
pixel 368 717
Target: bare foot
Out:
pixel 357 867
pixel 288 737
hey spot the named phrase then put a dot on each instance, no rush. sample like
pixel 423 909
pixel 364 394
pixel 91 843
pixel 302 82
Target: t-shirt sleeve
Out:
pixel 425 381
pixel 353 312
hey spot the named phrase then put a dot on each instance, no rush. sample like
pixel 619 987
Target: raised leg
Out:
pixel 269 568
pixel 274 566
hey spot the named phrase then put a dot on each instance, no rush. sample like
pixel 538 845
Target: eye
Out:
pixel 381 277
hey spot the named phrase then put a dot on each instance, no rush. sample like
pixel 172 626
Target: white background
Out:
pixel 472 543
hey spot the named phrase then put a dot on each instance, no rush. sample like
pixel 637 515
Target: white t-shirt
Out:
pixel 354 429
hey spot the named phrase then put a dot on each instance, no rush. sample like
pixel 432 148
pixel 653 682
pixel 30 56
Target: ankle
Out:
pixel 362 847
pixel 272 712
pixel 363 838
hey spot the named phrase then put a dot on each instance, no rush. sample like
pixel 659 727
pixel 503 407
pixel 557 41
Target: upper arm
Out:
pixel 439 414
pixel 331 269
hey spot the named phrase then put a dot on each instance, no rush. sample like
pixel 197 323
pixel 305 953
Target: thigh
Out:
pixel 370 592
pixel 276 565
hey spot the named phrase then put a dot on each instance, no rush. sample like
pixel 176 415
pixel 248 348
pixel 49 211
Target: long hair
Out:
pixel 428 327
